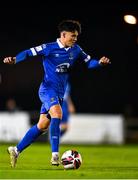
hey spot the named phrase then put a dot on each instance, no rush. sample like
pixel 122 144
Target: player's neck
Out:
pixel 63 43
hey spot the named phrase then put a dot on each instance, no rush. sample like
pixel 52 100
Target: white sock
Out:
pixel 55 154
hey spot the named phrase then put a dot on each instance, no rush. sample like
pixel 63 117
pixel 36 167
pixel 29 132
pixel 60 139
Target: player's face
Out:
pixel 70 38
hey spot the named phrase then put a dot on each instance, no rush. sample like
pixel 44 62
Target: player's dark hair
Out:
pixel 70 26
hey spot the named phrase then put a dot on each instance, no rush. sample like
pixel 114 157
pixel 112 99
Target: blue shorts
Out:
pixel 65 112
pixel 48 99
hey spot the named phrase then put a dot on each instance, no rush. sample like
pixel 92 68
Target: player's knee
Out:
pixel 43 123
pixel 42 127
pixel 56 115
pixel 56 112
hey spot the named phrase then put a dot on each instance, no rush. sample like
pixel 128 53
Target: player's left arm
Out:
pixel 93 63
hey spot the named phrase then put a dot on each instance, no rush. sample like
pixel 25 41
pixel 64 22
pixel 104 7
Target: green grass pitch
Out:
pixel 99 162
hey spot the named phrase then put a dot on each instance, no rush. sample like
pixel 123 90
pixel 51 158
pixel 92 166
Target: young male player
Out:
pixel 57 58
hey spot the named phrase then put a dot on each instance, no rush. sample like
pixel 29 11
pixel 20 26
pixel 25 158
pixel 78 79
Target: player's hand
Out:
pixel 104 61
pixel 9 60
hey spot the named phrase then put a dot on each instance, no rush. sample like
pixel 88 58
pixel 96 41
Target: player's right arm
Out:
pixel 19 57
pixel 34 51
pixel 9 60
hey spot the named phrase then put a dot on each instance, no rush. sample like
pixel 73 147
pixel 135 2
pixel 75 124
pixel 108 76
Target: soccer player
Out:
pixel 57 58
pixel 67 109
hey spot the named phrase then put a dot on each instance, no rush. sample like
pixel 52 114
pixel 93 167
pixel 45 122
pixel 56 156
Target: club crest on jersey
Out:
pixel 71 56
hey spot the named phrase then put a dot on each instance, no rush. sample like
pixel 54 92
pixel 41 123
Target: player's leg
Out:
pixel 52 103
pixel 54 131
pixel 32 134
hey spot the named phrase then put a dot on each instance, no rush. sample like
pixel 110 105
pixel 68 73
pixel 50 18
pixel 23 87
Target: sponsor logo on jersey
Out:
pixel 62 68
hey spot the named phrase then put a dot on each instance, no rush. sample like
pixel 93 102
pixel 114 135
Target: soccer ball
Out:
pixel 71 159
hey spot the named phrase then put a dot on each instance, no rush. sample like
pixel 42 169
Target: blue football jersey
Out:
pixel 57 60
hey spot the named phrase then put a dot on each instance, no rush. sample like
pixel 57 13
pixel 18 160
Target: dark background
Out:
pixel 112 89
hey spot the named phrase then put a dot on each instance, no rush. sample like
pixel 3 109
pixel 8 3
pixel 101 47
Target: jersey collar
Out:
pixel 61 45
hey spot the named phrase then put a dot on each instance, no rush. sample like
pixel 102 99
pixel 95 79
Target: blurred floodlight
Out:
pixel 130 19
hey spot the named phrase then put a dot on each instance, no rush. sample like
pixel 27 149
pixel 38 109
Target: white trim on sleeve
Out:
pixel 87 58
pixel 33 51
